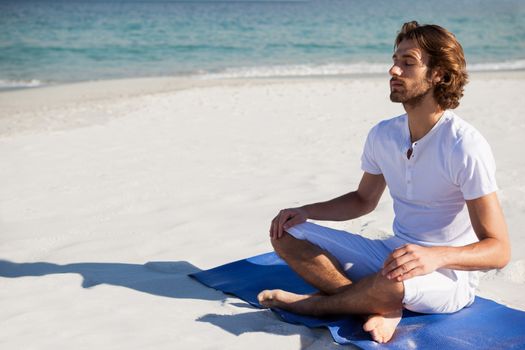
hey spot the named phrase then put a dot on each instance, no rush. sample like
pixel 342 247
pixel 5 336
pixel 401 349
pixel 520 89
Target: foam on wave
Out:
pixel 13 84
pixel 300 70
pixel 497 66
pixel 305 70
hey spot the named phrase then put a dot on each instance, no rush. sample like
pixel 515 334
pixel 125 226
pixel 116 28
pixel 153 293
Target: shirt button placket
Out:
pixel 409 170
pixel 409 179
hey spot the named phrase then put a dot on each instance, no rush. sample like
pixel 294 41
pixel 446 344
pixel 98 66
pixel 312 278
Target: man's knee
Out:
pixel 290 247
pixel 284 244
pixel 387 293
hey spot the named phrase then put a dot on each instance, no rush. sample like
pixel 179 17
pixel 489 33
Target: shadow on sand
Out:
pixel 170 279
pixel 268 322
pixel 167 279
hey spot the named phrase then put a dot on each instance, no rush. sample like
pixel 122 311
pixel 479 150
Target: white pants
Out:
pixel 442 291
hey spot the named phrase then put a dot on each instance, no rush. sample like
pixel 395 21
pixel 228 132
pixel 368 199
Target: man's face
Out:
pixel 410 82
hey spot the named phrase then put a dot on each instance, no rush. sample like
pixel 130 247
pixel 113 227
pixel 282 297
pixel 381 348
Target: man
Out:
pixel 448 221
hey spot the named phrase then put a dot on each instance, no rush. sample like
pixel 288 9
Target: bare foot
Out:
pixel 283 300
pixel 382 327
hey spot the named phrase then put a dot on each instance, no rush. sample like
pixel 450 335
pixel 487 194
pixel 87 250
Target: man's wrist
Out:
pixel 305 210
pixel 445 256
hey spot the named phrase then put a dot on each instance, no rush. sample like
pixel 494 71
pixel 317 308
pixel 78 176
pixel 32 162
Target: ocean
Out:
pixel 58 41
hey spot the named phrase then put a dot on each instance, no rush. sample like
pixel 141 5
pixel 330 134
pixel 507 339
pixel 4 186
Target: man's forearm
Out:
pixel 413 260
pixel 486 254
pixel 346 207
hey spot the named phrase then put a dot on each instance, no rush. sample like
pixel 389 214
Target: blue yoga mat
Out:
pixel 484 325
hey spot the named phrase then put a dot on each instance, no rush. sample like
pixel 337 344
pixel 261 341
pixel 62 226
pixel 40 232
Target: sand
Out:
pixel 113 191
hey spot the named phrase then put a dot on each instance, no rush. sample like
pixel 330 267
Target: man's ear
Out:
pixel 437 76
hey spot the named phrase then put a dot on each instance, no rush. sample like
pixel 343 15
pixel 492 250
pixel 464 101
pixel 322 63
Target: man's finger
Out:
pixel 274 228
pixel 284 217
pixel 399 251
pixel 395 255
pixel 278 230
pixel 418 271
pixel 394 264
pixel 402 269
pixel 295 220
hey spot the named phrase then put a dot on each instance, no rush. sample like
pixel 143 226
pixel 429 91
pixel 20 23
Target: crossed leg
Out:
pixel 376 297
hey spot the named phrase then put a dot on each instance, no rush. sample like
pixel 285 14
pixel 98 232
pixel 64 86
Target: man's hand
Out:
pixel 412 260
pixel 286 219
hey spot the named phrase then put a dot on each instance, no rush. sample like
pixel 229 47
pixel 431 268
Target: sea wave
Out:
pixel 271 71
pixel 497 66
pixel 18 84
pixel 301 70
pixel 334 69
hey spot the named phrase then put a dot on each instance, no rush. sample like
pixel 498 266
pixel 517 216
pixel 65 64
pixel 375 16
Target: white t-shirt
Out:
pixel 450 164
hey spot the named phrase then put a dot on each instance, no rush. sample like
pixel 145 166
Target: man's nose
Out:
pixel 394 70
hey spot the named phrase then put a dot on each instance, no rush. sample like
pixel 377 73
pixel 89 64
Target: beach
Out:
pixel 113 191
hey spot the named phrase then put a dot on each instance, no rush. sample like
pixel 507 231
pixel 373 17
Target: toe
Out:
pixel 265 297
pixel 371 324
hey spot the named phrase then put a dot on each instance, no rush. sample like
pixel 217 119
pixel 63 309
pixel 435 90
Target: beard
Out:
pixel 412 95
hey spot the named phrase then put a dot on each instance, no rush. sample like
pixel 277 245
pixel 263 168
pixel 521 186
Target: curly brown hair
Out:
pixel 445 53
